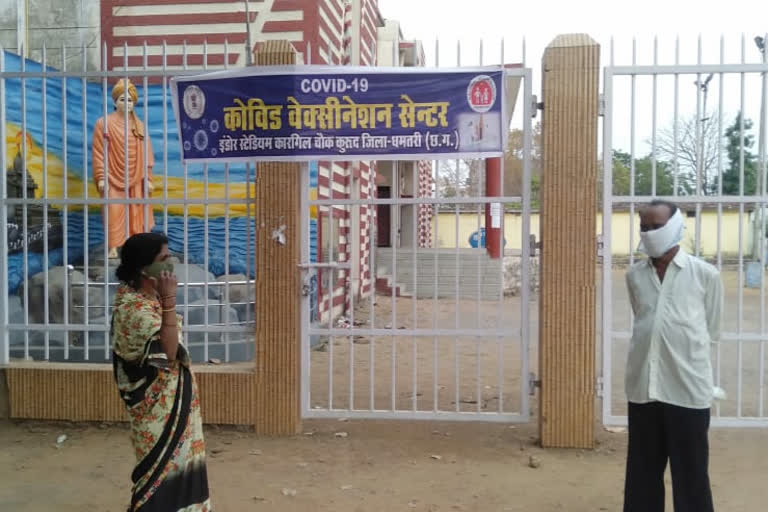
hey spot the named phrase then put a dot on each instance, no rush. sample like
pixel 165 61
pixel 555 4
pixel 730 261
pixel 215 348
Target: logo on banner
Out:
pixel 194 102
pixel 481 93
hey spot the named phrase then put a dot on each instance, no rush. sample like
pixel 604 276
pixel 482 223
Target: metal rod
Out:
pixel 435 307
pixel 186 217
pixel 523 270
pixel 206 219
pixel 65 193
pixel 227 297
pixel 105 196
pixel 607 263
pixel 332 249
pixel 131 201
pixel 689 69
pixel 416 201
pixel 456 366
pixel 86 181
pixel 415 290
pixel 480 211
pixel 372 192
pixel 5 344
pixel 46 283
pixel 165 138
pixel 239 328
pixel 206 261
pixel 147 147
pixel 740 317
pixel 352 248
pixel 762 180
pixel 700 170
pixel 654 116
pixel 305 365
pixel 675 126
pixel 227 355
pixel 250 252
pixel 718 354
pixel 126 154
pixel 632 188
pixel 525 278
pixel 186 74
pixel 24 195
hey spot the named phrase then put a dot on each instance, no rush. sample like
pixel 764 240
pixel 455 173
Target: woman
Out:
pixel 151 368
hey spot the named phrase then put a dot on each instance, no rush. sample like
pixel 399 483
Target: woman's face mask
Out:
pixel 155 269
pixel 657 242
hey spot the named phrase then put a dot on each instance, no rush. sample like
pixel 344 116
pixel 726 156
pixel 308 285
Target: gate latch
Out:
pixel 308 270
pixel 306 285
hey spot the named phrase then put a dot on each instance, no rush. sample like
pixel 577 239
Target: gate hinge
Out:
pixel 535 106
pixel 533 383
pixel 601 105
pixel 534 245
pixel 599 387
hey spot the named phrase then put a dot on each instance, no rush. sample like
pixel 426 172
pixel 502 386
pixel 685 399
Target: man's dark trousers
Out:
pixel 659 432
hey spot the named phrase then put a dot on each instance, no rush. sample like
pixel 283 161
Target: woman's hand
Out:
pixel 166 286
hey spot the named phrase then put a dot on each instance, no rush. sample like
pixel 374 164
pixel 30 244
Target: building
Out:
pixel 731 224
pixel 331 32
pixel 194 34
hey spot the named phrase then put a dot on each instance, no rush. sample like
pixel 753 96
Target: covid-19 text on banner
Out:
pixel 340 113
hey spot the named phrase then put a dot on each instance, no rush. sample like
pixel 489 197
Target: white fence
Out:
pixel 399 354
pixel 364 354
pixel 663 139
pixel 57 282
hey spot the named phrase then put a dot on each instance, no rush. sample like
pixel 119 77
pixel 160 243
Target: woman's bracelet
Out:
pixel 168 310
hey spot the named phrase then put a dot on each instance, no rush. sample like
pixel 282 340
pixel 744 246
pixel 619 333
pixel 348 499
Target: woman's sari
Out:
pixel 164 406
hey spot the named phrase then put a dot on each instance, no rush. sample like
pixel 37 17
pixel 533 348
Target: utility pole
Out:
pixel 701 143
pixel 702 180
pixel 22 27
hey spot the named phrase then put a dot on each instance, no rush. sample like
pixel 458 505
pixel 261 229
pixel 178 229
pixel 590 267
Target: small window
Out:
pixel 690 214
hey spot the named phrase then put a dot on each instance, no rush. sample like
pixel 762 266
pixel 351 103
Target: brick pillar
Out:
pixel 278 314
pixel 568 242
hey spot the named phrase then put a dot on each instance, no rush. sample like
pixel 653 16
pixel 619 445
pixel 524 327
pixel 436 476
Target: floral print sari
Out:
pixel 163 403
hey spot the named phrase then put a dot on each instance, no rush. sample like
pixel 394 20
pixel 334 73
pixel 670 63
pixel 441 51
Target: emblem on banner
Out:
pixel 194 102
pixel 481 93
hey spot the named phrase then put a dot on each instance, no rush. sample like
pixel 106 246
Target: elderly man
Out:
pixel 677 302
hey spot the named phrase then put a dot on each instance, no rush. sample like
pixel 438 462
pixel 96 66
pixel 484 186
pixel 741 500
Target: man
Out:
pixel 677 302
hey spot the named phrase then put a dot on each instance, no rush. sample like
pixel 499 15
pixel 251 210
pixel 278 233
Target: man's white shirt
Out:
pixel 676 322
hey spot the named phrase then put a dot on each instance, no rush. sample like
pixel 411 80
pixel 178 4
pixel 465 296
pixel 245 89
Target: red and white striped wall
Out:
pixel 335 32
pixel 222 25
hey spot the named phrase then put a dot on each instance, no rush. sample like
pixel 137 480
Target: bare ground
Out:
pixel 378 467
pixel 389 466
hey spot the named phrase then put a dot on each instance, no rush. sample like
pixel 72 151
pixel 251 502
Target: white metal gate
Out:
pixel 443 340
pixel 705 164
pixel 56 280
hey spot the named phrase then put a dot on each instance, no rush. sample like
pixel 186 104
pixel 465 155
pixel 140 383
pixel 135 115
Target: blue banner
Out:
pixel 331 113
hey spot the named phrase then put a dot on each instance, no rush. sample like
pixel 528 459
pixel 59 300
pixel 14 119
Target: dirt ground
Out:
pixel 378 467
pixel 404 466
